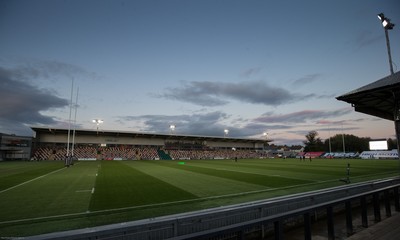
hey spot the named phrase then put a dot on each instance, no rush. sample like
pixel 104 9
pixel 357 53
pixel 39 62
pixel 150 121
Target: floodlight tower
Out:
pixel 344 145
pixel 387 25
pixel 172 129
pixel 98 122
pixel 68 157
pixel 265 135
pixel 226 131
pixel 330 146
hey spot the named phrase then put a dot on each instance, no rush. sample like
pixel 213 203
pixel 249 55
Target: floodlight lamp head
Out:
pixel 387 24
pixel 381 16
pixel 97 121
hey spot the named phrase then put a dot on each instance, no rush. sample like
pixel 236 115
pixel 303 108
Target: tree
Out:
pixel 352 143
pixel 392 144
pixel 313 142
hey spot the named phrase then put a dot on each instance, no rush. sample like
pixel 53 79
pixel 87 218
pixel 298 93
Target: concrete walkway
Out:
pixel 387 229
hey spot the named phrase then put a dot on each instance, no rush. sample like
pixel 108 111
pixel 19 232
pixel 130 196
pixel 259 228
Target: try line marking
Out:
pixel 18 185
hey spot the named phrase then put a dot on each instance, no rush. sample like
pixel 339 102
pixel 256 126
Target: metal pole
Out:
pixel 397 130
pixel 69 124
pixel 364 213
pixel 278 230
pixel 377 210
pixel 349 219
pixel 396 199
pixel 387 203
pixel 330 223
pixel 330 146
pixel 344 147
pixel 389 54
pixel 307 226
pixel 73 134
pixel 396 119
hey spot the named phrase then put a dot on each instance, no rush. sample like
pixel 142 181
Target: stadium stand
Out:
pixel 163 155
pixel 51 144
pixel 86 152
pixel 90 152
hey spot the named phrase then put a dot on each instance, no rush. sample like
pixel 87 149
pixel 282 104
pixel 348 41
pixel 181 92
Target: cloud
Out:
pixel 250 72
pixel 199 93
pixel 214 123
pixel 259 128
pixel 208 93
pixel 343 122
pixel 22 103
pixel 306 79
pixel 34 68
pixel 195 124
pixel 365 39
pixel 203 124
pixel 301 116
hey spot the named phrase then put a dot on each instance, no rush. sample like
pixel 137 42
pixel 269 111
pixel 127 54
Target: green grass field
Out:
pixel 41 197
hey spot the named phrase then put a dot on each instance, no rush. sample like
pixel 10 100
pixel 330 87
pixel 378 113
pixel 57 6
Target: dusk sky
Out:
pixel 247 66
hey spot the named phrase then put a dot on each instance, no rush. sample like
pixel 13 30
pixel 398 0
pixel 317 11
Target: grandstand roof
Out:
pixel 147 135
pixel 377 98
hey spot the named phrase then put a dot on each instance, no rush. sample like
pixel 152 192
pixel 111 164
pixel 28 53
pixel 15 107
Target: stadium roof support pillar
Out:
pixel 396 117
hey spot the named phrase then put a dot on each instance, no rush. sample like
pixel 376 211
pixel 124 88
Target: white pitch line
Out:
pixel 79 191
pixel 5 190
pixel 267 175
pixel 158 204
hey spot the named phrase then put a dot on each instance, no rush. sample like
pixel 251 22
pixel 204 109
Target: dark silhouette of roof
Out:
pixel 377 98
pixel 116 133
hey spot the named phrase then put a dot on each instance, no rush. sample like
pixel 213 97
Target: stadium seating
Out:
pixel 163 155
pixel 86 152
